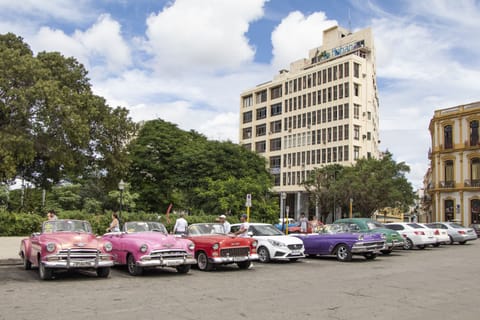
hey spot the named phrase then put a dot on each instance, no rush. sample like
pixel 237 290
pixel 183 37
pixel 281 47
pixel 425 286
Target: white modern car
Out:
pixel 273 244
pixel 414 234
pixel 456 232
pixel 440 234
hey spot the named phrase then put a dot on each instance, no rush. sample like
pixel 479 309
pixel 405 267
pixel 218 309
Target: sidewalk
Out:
pixel 9 248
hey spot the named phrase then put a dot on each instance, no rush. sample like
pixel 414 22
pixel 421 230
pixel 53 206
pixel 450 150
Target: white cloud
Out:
pixel 295 35
pixel 208 35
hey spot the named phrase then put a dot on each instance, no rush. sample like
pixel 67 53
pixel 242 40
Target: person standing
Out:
pixel 303 223
pixel 51 215
pixel 243 230
pixel 180 225
pixel 115 224
pixel 223 221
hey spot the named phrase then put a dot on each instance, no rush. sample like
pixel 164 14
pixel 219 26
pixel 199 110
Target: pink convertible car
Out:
pixel 147 244
pixel 67 245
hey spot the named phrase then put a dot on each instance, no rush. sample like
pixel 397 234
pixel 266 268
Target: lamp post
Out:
pixel 351 205
pixel 121 187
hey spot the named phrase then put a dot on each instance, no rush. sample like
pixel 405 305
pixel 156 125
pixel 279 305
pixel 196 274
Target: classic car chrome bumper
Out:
pixel 395 244
pixel 233 259
pixel 361 247
pixel 166 262
pixel 55 261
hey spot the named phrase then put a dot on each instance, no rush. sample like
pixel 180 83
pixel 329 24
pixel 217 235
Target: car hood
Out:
pixel 223 240
pixel 71 239
pixel 156 240
pixel 284 239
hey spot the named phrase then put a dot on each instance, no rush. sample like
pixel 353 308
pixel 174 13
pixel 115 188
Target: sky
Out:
pixel 187 61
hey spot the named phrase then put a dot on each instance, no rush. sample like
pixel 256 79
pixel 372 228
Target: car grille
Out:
pixel 235 252
pixel 168 254
pixel 295 246
pixel 78 253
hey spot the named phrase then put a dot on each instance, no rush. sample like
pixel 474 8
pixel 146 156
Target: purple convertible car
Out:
pixel 147 244
pixel 343 242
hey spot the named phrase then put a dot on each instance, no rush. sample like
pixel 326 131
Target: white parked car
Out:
pixel 273 244
pixel 440 234
pixel 414 234
pixel 456 232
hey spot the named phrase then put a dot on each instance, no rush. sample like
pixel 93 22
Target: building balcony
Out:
pixel 447 184
pixel 475 183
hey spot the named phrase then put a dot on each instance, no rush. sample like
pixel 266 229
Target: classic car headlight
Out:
pixel 276 243
pixel 215 246
pixel 50 247
pixel 143 248
pixel 360 237
pixel 254 244
pixel 108 246
pixel 384 236
pixel 191 246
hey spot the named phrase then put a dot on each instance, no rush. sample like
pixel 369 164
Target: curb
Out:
pixel 10 262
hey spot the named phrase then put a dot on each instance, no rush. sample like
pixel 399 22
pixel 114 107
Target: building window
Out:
pixel 340 71
pixel 261 113
pixel 356 111
pixel 247 101
pixel 346 89
pixel 276 109
pixel 275 144
pixel 356 132
pixel 346 111
pixel 449 210
pixel 275 162
pixel 340 112
pixel 340 154
pixel 260 146
pixel 448 137
pixel 356 89
pixel 475 210
pixel 474 133
pixel 276 126
pixel 340 133
pixel 276 92
pixel 261 130
pixel 345 153
pixel 334 149
pixel 340 91
pixel 247 117
pixel 449 178
pixel 475 172
pixel 261 96
pixel 345 132
pixel 276 180
pixel 247 133
pixel 346 69
pixel 356 153
pixel 356 70
pixel 335 113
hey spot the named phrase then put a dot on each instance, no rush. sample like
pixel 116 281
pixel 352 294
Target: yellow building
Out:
pixel 454 175
pixel 323 110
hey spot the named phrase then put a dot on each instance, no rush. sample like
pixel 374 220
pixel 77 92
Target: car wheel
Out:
pixel 244 264
pixel 263 254
pixel 103 272
pixel 27 265
pixel 370 256
pixel 343 253
pixel 462 242
pixel 183 268
pixel 451 240
pixel 45 273
pixel 132 267
pixel 388 251
pixel 408 244
pixel 203 263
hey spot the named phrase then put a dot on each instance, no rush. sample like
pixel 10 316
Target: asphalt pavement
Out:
pixel 9 248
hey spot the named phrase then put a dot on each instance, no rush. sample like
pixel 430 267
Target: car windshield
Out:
pixel 66 226
pixel 335 228
pixel 456 226
pixel 144 226
pixel 207 228
pixel 415 225
pixel 265 230
pixel 374 225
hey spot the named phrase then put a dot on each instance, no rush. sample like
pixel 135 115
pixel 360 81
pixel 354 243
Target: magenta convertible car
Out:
pixel 147 244
pixel 339 240
pixel 68 245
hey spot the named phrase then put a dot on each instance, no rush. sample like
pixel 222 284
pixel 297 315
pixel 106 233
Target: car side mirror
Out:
pixel 250 233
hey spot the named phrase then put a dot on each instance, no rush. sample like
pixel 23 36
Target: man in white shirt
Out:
pixel 180 225
pixel 243 231
pixel 224 223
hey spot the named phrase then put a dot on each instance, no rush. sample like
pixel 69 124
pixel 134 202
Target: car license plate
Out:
pixel 296 252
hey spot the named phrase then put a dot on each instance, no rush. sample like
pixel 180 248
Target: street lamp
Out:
pixel 121 187
pixel 351 205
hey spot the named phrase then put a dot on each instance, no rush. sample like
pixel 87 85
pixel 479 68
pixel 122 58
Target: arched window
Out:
pixel 448 138
pixel 473 133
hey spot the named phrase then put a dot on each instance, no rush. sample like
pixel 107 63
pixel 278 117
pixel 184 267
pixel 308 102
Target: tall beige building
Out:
pixel 454 184
pixel 323 110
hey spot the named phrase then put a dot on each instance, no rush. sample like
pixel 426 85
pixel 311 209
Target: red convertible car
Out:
pixel 147 244
pixel 214 247
pixel 67 245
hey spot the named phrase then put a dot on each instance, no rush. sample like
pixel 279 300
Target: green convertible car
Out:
pixel 393 238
